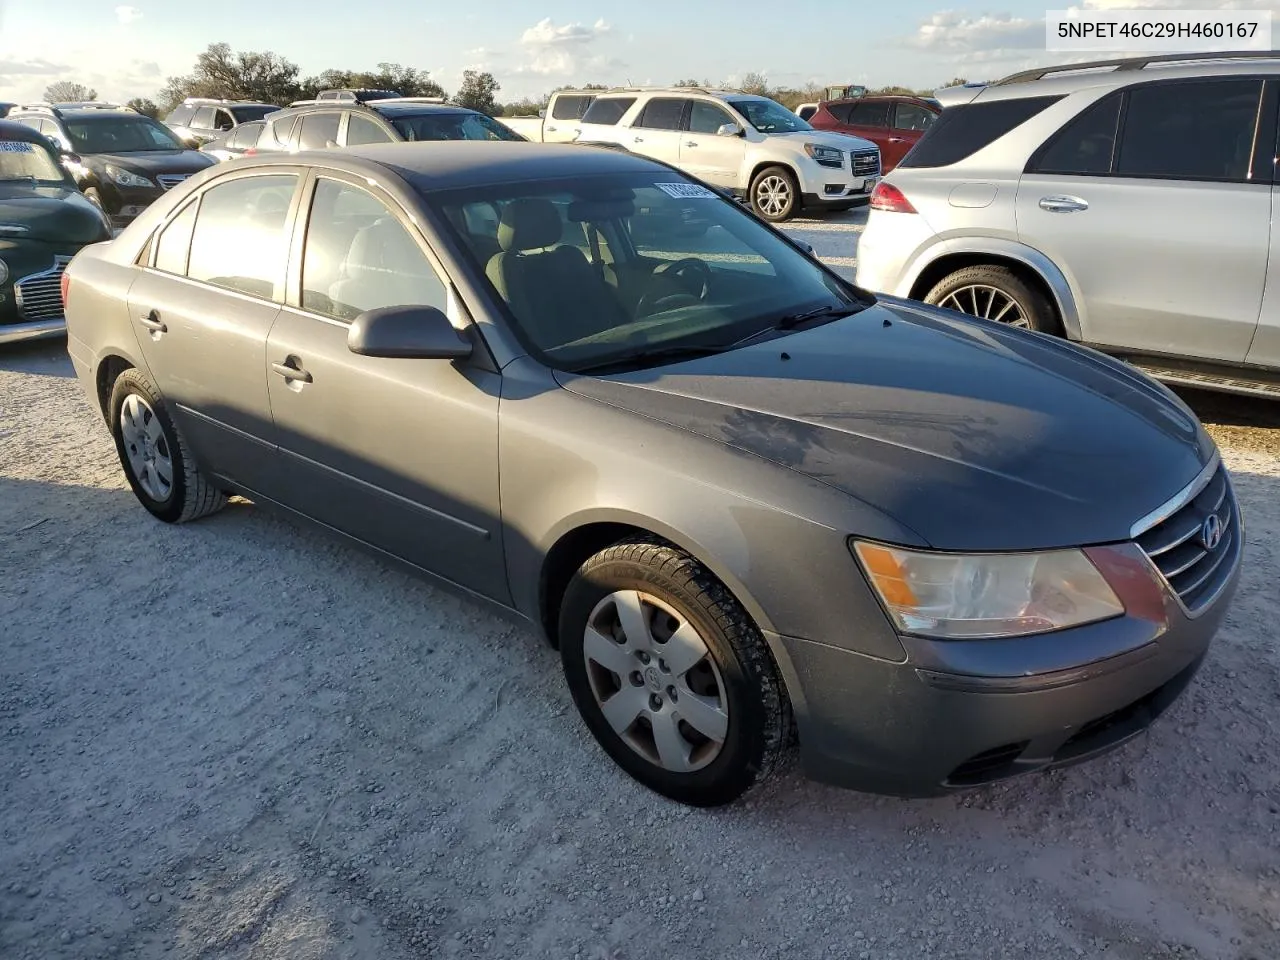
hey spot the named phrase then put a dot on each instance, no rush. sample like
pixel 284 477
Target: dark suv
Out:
pixel 196 121
pixel 121 160
pixel 315 125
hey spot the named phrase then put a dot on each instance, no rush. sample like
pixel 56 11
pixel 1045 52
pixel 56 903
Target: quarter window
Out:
pixel 175 241
pixel 1196 130
pixel 607 111
pixel 1085 145
pixel 359 256
pixel 911 116
pixel 661 114
pixel 960 132
pixel 570 107
pixel 240 240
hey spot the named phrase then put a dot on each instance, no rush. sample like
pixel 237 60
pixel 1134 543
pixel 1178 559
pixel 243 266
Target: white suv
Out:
pixel 1128 204
pixel 752 146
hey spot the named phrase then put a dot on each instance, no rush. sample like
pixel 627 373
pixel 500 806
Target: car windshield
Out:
pixel 769 116
pixel 452 126
pixel 23 160
pixel 119 135
pixel 629 269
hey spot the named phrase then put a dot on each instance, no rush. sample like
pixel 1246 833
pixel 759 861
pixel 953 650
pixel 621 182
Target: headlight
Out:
pixel 825 154
pixel 4 271
pixel 963 596
pixel 127 179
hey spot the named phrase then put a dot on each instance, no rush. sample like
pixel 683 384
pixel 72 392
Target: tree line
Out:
pixel 267 77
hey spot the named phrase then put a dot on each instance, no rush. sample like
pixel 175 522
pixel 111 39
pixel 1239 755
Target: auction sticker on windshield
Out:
pixel 16 146
pixel 686 191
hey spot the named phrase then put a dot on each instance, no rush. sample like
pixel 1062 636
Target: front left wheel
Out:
pixel 159 467
pixel 670 674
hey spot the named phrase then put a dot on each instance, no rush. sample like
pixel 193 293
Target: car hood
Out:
pixel 52 214
pixel 972 435
pixel 828 138
pixel 154 162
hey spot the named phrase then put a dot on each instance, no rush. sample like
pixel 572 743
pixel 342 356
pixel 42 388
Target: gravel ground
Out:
pixel 240 739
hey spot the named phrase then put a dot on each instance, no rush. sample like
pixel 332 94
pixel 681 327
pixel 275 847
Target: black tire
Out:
pixel 192 495
pixel 1038 312
pixel 759 728
pixel 792 206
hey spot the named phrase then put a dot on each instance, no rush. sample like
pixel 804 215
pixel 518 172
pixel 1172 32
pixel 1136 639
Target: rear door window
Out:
pixel 911 116
pixel 363 130
pixel 961 131
pixel 870 114
pixel 1084 147
pixel 319 130
pixel 1191 130
pixel 247 135
pixel 203 120
pixel 661 113
pixel 239 241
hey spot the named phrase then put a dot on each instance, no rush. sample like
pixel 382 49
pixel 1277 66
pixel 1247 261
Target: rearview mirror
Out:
pixel 728 130
pixel 408 333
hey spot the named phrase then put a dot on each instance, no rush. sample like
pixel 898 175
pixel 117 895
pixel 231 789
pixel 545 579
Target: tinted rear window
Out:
pixel 246 114
pixel 608 110
pixel 962 131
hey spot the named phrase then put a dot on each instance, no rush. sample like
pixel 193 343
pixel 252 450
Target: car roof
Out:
pixel 448 165
pixel 910 98
pixel 74 114
pixel 395 108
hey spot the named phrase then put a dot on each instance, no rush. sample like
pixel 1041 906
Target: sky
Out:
pixel 531 46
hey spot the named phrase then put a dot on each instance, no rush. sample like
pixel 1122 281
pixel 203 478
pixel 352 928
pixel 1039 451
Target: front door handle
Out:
pixel 291 371
pixel 638 140
pixel 691 143
pixel 151 320
pixel 896 139
pixel 551 129
pixel 1063 204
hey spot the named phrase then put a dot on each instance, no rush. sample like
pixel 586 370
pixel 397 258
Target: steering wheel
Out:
pixel 691 273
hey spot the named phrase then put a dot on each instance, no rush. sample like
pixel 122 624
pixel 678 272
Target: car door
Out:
pixel 706 154
pixel 202 306
pixel 401 454
pixel 657 131
pixel 909 121
pixel 1149 203
pixel 1265 348
pixel 202 124
pixel 563 120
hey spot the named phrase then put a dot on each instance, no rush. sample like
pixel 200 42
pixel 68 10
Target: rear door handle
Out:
pixel 896 139
pixel 638 140
pixel 151 320
pixel 551 129
pixel 1063 204
pixel 691 143
pixel 291 371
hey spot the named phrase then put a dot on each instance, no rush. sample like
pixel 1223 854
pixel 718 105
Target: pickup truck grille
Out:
pixel 865 163
pixel 1197 546
pixel 39 296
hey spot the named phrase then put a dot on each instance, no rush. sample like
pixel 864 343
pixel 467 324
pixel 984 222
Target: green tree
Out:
pixel 223 73
pixel 407 81
pixel 68 91
pixel 478 91
pixel 756 84
pixel 956 82
pixel 144 106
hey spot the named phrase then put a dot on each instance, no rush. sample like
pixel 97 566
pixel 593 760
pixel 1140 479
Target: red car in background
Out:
pixel 892 123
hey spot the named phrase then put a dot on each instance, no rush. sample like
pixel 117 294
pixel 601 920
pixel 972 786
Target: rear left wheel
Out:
pixel 160 469
pixel 670 674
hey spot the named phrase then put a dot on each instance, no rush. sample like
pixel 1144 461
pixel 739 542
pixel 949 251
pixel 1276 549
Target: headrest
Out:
pixel 529 224
pixel 380 248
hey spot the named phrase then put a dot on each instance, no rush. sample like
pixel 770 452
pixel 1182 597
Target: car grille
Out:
pixel 39 296
pixel 170 180
pixel 865 163
pixel 1194 568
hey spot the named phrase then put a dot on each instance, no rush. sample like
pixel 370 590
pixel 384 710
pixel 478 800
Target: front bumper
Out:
pixel 822 185
pixel 960 715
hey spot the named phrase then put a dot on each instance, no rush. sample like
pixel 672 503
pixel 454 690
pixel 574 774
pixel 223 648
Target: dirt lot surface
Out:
pixel 240 739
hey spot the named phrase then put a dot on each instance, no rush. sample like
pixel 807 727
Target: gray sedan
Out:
pixel 748 502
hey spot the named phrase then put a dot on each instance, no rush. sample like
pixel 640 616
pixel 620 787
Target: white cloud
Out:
pixel 128 14
pixel 563 50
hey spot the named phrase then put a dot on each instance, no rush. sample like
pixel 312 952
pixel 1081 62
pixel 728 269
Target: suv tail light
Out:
pixel 890 199
pixel 64 284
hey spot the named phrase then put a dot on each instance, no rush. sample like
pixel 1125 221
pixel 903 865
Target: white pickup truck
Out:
pixel 559 122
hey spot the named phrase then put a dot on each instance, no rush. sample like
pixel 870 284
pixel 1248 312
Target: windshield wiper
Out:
pixel 789 321
pixel 672 352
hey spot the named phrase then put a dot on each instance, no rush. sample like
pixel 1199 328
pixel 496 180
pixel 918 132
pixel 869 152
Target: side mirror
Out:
pixel 542 114
pixel 407 333
pixel 728 130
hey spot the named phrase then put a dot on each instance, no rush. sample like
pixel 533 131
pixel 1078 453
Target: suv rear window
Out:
pixel 607 111
pixel 962 131
pixel 570 107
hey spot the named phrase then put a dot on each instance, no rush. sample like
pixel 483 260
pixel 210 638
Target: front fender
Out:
pixel 1064 293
